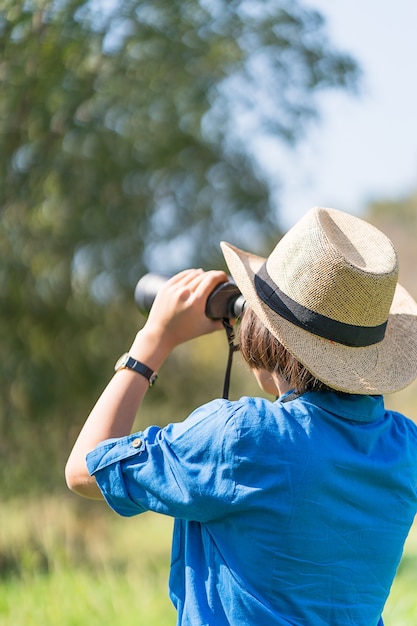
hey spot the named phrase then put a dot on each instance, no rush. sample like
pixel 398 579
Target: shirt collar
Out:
pixel 355 407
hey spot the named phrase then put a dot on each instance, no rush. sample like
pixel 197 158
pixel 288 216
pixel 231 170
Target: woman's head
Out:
pixel 328 293
pixel 262 351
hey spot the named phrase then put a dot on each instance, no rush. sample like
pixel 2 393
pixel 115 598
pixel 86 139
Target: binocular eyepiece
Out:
pixel 225 301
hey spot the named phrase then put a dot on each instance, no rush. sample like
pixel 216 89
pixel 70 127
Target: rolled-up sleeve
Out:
pixel 106 463
pixel 184 470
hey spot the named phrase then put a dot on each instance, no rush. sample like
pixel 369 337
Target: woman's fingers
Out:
pixel 178 313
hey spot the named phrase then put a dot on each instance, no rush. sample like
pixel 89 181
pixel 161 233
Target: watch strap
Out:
pixel 128 362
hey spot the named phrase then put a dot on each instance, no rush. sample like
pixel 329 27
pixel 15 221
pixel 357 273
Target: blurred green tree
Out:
pixel 123 147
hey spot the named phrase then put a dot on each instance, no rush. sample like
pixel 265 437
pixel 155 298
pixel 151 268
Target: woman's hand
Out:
pixel 178 312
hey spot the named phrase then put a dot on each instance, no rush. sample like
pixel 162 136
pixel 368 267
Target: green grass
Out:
pixel 78 597
pixel 401 608
pixel 68 562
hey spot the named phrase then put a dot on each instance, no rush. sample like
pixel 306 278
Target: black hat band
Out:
pixel 315 323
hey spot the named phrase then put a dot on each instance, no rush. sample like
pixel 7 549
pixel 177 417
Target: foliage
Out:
pixel 122 147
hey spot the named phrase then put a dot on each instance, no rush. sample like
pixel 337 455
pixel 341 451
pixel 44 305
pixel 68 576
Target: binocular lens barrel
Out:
pixel 225 301
pixel 146 290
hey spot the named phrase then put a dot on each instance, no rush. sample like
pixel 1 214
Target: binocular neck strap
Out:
pixel 232 348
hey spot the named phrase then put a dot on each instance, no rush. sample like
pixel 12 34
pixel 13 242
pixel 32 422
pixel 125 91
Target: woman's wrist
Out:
pixel 150 348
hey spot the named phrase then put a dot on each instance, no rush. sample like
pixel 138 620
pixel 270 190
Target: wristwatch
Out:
pixel 128 362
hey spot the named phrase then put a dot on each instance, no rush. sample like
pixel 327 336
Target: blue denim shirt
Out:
pixel 287 513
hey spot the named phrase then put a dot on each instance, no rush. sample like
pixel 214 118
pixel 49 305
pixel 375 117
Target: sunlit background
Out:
pixel 364 147
pixel 134 136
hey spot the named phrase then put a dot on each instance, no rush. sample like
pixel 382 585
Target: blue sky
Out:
pixel 365 147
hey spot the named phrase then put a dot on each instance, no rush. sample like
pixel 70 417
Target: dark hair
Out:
pixel 261 350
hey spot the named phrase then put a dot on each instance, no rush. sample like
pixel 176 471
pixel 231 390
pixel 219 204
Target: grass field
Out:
pixel 68 562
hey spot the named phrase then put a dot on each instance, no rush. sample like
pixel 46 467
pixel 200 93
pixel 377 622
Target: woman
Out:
pixel 287 512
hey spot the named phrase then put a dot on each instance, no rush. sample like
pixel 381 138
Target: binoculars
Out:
pixel 225 301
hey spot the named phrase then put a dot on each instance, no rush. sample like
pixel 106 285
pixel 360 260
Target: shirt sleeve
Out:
pixel 184 470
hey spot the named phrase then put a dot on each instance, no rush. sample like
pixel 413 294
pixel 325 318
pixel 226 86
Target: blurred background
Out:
pixel 134 136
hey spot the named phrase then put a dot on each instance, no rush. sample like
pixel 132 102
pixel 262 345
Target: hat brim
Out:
pixel 385 367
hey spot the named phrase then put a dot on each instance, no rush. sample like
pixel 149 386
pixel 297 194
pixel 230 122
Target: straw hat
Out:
pixel 329 293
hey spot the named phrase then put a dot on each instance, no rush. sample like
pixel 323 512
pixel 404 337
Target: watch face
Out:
pixel 121 362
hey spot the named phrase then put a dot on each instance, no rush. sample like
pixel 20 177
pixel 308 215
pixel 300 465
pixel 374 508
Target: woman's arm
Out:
pixel 177 316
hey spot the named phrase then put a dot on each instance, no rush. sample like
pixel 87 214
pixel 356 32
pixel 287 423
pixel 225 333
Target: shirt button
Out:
pixel 136 443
